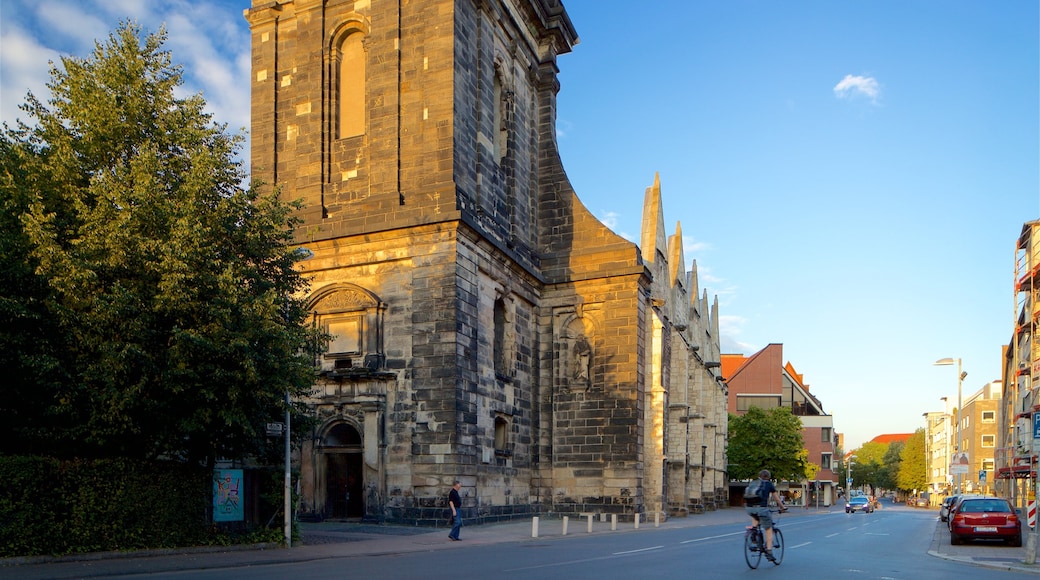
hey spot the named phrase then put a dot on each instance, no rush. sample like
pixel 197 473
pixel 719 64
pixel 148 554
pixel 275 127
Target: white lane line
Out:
pixel 799 545
pixel 711 538
pixel 832 535
pixel 637 551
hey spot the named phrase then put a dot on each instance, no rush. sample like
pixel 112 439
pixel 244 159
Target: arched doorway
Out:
pixel 344 477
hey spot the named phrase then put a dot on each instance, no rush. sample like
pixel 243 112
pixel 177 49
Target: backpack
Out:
pixel 752 491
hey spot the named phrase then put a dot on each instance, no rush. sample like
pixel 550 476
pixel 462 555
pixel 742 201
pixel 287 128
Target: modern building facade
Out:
pixel 763 380
pixel 486 326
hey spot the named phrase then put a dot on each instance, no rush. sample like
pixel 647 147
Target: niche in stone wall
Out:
pixel 353 318
pixel 577 369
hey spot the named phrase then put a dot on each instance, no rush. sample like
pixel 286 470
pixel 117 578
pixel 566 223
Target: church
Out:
pixel 486 327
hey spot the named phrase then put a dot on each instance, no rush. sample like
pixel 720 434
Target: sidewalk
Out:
pixel 346 539
pixel 986 555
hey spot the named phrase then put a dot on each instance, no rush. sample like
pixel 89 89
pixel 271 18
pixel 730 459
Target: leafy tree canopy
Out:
pixel 164 286
pixel 766 440
pixel 913 474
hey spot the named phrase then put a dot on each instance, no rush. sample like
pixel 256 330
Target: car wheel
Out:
pixel 1016 541
pixel 954 539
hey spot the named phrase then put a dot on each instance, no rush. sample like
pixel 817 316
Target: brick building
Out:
pixel 486 326
pixel 763 380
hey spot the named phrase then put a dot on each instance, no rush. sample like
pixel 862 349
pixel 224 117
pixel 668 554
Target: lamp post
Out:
pixel 848 492
pixel 300 254
pixel 960 380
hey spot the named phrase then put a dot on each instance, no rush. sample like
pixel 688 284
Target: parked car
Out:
pixel 921 501
pixel 859 503
pixel 976 518
pixel 959 499
pixel 944 509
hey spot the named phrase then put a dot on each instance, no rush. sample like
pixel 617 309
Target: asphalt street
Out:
pixel 337 540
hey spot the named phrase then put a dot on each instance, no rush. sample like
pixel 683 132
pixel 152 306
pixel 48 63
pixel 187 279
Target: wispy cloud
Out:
pixel 213 48
pixel 692 246
pixel 857 86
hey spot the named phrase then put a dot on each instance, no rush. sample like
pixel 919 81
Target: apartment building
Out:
pixel 763 380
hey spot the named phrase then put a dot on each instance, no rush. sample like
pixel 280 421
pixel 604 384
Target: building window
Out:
pixel 987 464
pixel 825 461
pixel 825 434
pixel 500 337
pixel 501 99
pixel 989 416
pixel 989 440
pixel 352 86
pixel 765 402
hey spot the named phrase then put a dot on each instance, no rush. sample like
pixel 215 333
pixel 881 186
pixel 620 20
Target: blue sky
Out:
pixel 850 176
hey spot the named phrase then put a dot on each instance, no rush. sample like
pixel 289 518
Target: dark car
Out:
pixel 860 503
pixel 944 509
pixel 977 518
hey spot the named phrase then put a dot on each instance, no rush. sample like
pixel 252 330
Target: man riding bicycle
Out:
pixel 756 504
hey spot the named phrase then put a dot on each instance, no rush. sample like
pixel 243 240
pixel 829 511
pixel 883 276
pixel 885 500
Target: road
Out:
pixel 890 543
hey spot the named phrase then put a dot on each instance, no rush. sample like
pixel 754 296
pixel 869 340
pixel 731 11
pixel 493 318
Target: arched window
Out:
pixel 501 360
pixel 501 99
pixel 352 86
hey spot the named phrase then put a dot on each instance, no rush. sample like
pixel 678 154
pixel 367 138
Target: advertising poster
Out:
pixel 227 496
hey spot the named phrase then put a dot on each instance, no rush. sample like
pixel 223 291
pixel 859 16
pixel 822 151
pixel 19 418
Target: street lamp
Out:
pixel 960 379
pixel 848 475
pixel 300 254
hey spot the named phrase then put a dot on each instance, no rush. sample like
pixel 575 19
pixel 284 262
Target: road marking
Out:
pixel 637 551
pixel 799 545
pixel 710 537
pixel 832 535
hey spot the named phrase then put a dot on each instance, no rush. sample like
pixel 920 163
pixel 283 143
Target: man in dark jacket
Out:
pixel 455 502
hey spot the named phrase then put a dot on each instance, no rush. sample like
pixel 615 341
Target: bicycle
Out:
pixel 754 538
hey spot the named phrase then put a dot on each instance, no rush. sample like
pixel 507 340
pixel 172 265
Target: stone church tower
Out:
pixel 487 327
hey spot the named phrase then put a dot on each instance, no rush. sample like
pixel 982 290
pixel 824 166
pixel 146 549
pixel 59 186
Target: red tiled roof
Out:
pixel 891 438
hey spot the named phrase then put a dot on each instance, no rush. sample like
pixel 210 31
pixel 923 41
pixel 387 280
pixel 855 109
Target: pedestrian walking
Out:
pixel 455 502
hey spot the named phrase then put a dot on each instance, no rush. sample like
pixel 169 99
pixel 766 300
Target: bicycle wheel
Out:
pixel 753 548
pixel 778 546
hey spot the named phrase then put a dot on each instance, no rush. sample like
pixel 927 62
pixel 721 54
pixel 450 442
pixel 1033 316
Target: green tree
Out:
pixel 766 440
pixel 169 286
pixel 912 470
pixel 888 477
pixel 869 464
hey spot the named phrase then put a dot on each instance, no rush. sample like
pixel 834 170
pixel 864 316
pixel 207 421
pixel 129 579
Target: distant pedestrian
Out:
pixel 455 502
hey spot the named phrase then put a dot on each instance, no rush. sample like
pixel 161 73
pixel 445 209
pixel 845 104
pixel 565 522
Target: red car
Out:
pixel 976 518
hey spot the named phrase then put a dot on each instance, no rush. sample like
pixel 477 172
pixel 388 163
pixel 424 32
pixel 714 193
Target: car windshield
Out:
pixel 858 500
pixel 984 506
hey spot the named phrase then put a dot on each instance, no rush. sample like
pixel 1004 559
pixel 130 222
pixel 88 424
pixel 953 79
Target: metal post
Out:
pixel 960 379
pixel 1031 539
pixel 288 478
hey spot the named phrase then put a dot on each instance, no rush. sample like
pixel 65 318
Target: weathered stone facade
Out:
pixel 488 328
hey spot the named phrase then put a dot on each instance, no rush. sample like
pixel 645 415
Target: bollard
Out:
pixel 590 523
pixel 613 522
pixel 637 521
pixel 534 527
pixel 657 519
pixel 565 520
